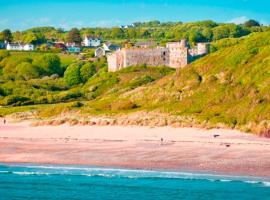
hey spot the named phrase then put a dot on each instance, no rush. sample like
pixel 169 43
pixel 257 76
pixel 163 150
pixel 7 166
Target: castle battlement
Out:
pixel 175 55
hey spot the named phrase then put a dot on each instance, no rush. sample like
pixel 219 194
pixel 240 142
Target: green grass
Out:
pixel 231 86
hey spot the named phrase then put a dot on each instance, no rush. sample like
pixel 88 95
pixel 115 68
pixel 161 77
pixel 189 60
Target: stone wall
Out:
pixel 175 55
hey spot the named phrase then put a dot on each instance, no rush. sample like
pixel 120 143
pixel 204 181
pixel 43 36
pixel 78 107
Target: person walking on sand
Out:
pixel 4 121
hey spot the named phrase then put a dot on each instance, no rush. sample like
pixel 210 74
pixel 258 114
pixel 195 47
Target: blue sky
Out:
pixel 23 14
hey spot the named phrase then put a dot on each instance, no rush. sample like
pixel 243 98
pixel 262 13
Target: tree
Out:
pixel 208 34
pixel 34 38
pixel 117 33
pixel 27 71
pixel 72 75
pixel 195 37
pixel 87 71
pixel 6 35
pixel 251 23
pixel 49 64
pixel 74 36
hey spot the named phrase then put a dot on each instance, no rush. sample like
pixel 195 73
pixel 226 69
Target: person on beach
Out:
pixel 4 121
pixel 161 141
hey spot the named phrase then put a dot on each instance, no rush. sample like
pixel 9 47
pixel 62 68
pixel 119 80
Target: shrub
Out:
pixel 76 104
pixel 123 105
pixel 14 99
pixel 141 81
pixel 72 75
pixel 49 64
pixel 3 54
pixel 27 71
pixel 87 71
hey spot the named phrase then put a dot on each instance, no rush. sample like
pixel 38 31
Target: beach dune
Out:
pixel 165 148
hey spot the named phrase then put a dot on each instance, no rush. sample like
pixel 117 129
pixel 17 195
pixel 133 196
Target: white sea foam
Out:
pixel 130 173
pixel 267 184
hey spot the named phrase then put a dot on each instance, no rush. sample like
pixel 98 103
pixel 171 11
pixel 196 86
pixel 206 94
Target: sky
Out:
pixel 24 14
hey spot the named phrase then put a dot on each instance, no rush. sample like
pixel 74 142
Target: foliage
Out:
pixel 74 36
pixel 87 71
pixel 6 35
pixel 251 23
pixel 27 71
pixel 72 75
pixel 49 64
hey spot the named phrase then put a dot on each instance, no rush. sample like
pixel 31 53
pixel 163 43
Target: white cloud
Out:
pixel 239 20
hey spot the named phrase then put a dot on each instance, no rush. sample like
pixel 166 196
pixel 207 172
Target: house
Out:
pixel 100 52
pixel 28 47
pixel 127 26
pixel 14 47
pixel 110 47
pixel 19 47
pixel 59 45
pixel 106 48
pixel 73 49
pixel 91 42
pixel 2 45
pixel 71 44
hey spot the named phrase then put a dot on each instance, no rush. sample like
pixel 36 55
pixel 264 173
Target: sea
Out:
pixel 55 182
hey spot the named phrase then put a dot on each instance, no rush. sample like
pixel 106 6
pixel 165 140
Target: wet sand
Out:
pixel 218 150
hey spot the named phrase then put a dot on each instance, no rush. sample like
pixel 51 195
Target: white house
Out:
pixel 20 47
pixel 28 47
pixel 105 49
pixel 16 47
pixel 110 47
pixel 91 42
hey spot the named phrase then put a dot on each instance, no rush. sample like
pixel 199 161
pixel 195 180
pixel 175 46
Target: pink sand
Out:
pixel 232 152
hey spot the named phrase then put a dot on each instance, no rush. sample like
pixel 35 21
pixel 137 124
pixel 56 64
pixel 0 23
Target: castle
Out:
pixel 175 55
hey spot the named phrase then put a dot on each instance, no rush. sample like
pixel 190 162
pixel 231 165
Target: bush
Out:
pixel 3 54
pixel 27 71
pixel 141 81
pixel 72 75
pixel 123 105
pixel 49 64
pixel 87 71
pixel 14 99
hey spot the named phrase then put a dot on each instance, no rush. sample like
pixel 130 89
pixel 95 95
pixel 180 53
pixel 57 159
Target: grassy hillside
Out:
pixel 230 87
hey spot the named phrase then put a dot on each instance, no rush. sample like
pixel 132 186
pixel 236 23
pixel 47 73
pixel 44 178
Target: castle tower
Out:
pixel 178 54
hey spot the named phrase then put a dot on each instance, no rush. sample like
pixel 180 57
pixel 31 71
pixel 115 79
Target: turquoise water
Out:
pixel 73 182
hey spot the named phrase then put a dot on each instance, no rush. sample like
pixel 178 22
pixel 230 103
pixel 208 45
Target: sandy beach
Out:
pixel 217 150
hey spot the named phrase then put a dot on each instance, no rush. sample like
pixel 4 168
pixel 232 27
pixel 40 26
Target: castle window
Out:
pixel 164 53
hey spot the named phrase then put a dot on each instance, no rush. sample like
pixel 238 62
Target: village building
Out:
pixel 91 42
pixel 19 47
pixel 73 49
pixel 175 55
pixel 106 48
pixel 2 45
pixel 127 26
pixel 60 45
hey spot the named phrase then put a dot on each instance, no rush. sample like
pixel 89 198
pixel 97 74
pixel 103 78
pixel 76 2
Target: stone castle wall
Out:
pixel 175 55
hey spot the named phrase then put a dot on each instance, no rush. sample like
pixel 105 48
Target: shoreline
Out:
pixel 132 147
pixel 186 174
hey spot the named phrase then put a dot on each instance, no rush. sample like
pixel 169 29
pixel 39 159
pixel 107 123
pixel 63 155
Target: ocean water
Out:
pixel 73 182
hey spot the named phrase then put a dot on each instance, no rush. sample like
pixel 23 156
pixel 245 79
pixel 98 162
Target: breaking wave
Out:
pixel 54 170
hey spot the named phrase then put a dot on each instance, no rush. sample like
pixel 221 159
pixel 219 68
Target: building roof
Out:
pixel 92 37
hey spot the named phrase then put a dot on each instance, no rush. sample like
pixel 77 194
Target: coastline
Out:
pixel 183 149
